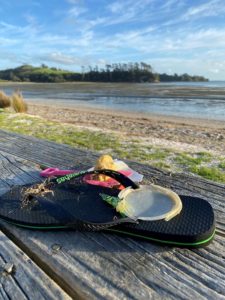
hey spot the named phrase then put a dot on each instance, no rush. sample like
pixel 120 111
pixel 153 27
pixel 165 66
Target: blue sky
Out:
pixel 174 36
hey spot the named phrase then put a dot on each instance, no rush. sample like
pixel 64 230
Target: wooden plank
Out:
pixel 106 266
pixel 41 151
pixel 21 278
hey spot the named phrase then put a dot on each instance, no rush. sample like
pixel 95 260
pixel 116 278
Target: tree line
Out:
pixel 117 72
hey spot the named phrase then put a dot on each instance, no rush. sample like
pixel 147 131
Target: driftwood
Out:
pixel 107 266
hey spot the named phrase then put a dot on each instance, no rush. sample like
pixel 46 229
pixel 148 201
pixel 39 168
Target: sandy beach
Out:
pixel 184 134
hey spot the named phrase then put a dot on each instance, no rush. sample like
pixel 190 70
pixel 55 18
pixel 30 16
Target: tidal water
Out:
pixel 196 100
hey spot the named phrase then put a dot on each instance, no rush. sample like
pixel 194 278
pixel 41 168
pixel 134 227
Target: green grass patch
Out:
pixel 185 159
pixel 58 133
pixel 142 153
pixel 199 163
pixel 209 173
pixel 221 165
pixel 162 165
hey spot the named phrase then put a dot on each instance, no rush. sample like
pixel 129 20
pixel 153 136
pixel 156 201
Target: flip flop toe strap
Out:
pixel 122 179
pixel 89 226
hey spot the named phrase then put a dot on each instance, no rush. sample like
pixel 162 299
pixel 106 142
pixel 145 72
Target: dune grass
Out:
pixel 202 164
pixel 18 103
pixel 4 100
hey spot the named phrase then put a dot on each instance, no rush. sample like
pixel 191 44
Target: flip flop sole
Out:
pixel 194 226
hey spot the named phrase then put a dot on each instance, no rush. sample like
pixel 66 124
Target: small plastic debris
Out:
pixel 107 162
pixel 56 247
pixel 9 268
pixel 150 202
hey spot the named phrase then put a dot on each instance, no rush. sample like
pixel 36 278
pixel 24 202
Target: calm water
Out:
pixel 209 84
pixel 198 100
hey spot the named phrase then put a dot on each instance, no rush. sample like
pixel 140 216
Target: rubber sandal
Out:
pixel 54 172
pixel 70 202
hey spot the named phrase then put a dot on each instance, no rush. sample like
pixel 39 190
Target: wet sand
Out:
pixel 202 134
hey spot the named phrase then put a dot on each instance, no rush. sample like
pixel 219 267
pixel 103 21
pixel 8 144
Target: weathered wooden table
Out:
pixel 81 265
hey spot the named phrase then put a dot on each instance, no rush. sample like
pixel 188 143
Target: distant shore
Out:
pixel 170 131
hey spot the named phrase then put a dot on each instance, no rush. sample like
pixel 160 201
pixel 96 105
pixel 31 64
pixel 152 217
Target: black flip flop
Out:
pixel 78 205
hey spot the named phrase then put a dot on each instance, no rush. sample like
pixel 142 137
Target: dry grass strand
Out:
pixel 18 103
pixel 39 189
pixel 4 100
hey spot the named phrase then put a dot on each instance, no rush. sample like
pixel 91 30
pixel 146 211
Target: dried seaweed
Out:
pixel 28 199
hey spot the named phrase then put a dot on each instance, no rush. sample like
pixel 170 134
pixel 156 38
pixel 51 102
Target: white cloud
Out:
pixel 122 6
pixel 149 40
pixel 116 7
pixel 76 11
pixel 30 19
pixel 60 58
pixel 129 10
pixel 211 8
pixel 201 65
pixel 95 22
pixel 170 4
pixel 120 12
pixel 20 32
pixel 4 42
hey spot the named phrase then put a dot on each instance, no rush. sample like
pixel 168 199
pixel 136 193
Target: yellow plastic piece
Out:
pixel 151 202
pixel 104 162
pixel 174 197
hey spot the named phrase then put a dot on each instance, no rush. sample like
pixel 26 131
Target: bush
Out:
pixel 18 103
pixel 4 100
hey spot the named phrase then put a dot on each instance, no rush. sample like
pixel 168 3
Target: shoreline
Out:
pixel 202 134
pixel 130 114
pixel 133 115
pixel 78 95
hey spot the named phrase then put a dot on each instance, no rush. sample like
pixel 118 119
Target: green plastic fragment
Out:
pixel 110 199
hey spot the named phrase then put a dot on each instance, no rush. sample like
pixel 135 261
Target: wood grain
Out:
pixel 107 266
pixel 27 280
